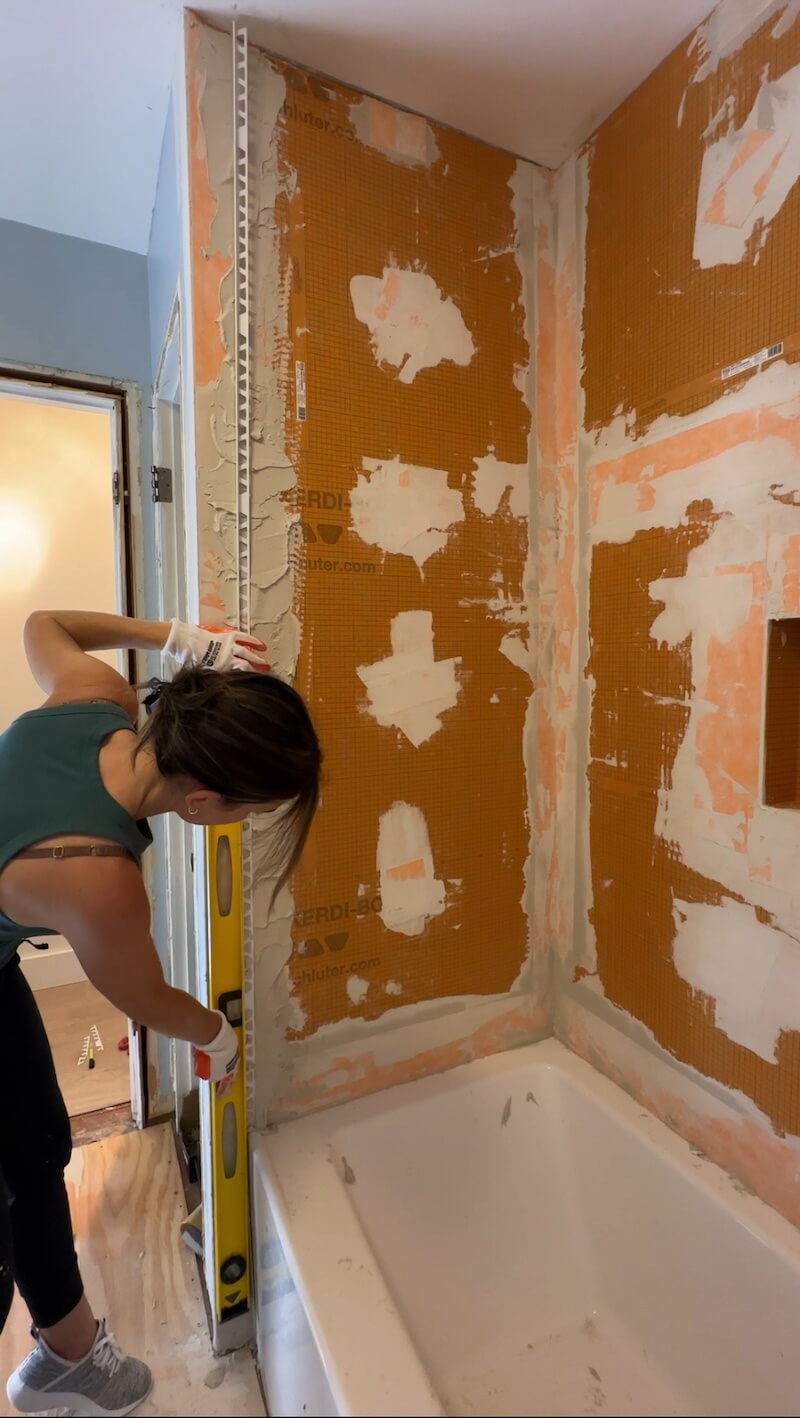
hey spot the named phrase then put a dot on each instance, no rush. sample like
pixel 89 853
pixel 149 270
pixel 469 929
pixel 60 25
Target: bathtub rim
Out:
pixel 318 1138
pixel 361 1295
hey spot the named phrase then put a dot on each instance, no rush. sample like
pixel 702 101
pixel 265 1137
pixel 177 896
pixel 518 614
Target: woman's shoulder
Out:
pixel 106 696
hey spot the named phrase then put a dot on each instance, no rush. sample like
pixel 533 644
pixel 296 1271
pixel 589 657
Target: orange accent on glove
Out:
pixel 251 640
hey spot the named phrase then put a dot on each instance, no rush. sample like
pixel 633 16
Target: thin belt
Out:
pixel 106 850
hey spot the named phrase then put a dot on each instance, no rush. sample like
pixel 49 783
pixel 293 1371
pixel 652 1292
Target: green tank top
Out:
pixel 50 786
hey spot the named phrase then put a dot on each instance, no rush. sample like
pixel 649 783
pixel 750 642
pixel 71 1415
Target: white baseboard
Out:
pixel 58 965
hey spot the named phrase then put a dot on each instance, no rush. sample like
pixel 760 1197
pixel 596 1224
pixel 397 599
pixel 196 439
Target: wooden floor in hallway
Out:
pixel 69 1013
pixel 127 1205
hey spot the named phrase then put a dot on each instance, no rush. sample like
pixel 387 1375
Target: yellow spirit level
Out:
pixel 230 1193
pixel 228 856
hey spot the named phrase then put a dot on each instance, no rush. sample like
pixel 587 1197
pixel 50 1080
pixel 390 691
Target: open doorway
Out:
pixel 63 544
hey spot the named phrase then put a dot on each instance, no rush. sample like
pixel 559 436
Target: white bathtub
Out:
pixel 515 1237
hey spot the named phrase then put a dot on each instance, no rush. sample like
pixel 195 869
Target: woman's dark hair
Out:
pixel 245 735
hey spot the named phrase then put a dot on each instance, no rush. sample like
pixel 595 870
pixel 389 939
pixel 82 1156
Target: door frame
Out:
pixel 52 387
pixel 123 398
pixel 180 844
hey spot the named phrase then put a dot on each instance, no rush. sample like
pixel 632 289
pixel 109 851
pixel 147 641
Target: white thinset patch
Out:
pixel 774 385
pixel 410 891
pixel 357 989
pixel 747 174
pixel 517 649
pixel 410 690
pixel 710 604
pixel 412 324
pixel 726 479
pixel 748 969
pixel 493 479
pixel 402 137
pixel 404 509
pixel 751 850
pixel 732 22
pixel 701 602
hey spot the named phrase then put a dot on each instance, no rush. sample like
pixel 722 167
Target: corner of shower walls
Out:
pixel 535 215
pixel 590 489
pixel 719 1123
pixel 558 550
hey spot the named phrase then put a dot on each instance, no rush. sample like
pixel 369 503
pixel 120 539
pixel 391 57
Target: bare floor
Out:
pixel 127 1204
pixel 69 1013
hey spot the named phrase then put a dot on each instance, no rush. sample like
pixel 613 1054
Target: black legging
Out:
pixel 35 1147
pixel 6 1278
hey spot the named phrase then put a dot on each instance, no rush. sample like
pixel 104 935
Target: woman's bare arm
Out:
pixel 108 927
pixel 58 645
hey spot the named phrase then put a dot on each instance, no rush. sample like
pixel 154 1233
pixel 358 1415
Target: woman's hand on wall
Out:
pixel 211 648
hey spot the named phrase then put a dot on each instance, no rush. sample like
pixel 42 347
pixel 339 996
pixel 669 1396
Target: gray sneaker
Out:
pixel 105 1383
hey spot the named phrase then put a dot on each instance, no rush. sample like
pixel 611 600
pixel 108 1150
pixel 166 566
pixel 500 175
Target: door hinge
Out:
pixel 116 487
pixel 161 483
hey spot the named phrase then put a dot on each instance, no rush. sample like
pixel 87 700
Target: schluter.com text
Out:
pixel 326 563
pixel 331 972
pixel 302 115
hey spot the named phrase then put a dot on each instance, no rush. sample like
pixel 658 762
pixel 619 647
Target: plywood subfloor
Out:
pixel 69 1011
pixel 127 1204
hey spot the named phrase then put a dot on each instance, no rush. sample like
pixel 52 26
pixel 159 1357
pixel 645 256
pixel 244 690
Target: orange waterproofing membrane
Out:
pixel 658 326
pixel 357 212
pixel 389 335
pixel 680 852
pixel 694 548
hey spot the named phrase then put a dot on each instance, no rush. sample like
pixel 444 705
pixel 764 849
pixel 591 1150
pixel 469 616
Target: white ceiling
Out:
pixel 84 84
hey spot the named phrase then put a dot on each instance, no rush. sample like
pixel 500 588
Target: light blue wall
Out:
pixel 165 254
pixel 73 305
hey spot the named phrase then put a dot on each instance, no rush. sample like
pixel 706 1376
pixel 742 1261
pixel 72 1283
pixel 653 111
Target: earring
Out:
pixel 193 812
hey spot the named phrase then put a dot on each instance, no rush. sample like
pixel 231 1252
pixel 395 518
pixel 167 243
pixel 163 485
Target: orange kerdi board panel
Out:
pixel 658 327
pixel 661 321
pixel 410 211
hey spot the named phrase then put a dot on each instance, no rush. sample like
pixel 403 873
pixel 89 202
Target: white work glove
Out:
pixel 218 1062
pixel 193 645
